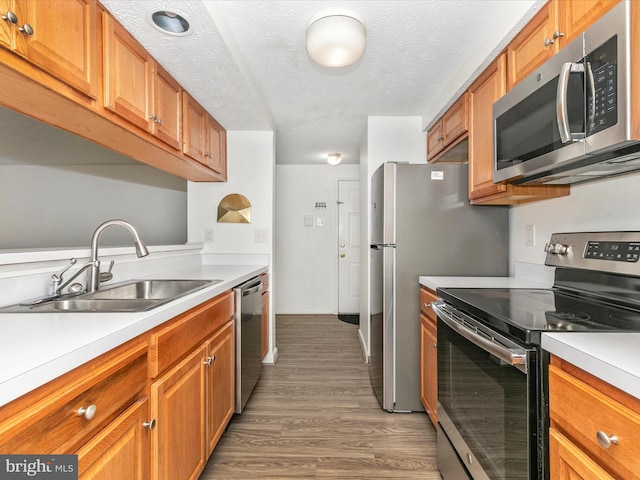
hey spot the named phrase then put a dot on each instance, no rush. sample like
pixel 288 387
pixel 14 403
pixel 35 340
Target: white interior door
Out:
pixel 348 246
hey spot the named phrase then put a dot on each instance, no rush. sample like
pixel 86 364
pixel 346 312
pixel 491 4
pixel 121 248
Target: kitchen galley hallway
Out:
pixel 314 415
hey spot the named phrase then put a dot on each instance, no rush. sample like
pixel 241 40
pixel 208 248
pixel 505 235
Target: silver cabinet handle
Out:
pixel 605 440
pixel 9 17
pixel 440 138
pixel 26 29
pixel 548 41
pixel 88 412
pixel 210 360
pixel 427 305
pixel 435 345
pixel 557 34
pixel 208 155
pixel 151 424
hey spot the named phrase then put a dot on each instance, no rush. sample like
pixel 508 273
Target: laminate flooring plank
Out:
pixel 313 415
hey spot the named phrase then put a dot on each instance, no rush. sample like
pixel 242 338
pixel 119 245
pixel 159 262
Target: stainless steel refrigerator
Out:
pixel 421 224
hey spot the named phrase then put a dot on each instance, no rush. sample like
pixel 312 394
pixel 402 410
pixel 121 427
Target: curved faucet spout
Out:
pixel 93 274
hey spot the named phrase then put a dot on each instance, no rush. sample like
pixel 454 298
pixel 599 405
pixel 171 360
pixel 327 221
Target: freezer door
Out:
pixel 382 329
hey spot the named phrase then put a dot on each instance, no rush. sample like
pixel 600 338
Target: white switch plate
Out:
pixel 208 235
pixel 308 220
pixel 320 222
pixel 261 236
pixel 530 235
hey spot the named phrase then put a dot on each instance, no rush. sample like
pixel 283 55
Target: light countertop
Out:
pixel 38 347
pixel 613 357
pixel 481 282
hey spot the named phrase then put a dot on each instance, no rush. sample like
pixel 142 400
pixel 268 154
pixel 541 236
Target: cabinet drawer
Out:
pixel 580 412
pixel 52 424
pixel 169 344
pixel 426 298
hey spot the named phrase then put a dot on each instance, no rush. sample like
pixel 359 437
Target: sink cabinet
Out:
pixel 152 408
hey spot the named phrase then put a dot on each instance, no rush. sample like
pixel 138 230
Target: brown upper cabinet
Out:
pixel 488 88
pixel 449 132
pixel 556 24
pixel 59 37
pixel 137 88
pixel 204 139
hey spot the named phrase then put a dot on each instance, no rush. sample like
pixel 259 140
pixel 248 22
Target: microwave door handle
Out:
pixel 562 113
pixel 592 86
pixel 515 359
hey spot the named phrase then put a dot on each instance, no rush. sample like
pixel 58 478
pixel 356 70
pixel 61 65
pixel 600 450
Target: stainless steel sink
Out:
pixel 149 290
pixel 132 296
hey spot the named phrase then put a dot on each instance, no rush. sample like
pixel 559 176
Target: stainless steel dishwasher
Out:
pixel 248 331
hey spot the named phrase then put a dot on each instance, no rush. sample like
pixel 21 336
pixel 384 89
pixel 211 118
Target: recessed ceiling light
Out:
pixel 169 23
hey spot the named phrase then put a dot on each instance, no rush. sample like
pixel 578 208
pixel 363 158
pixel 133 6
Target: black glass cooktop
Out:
pixel 526 313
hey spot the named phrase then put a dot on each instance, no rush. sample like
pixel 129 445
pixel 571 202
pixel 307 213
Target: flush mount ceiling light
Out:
pixel 336 39
pixel 169 23
pixel 334 159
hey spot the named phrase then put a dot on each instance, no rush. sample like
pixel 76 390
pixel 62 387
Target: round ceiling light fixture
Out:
pixel 334 159
pixel 336 39
pixel 169 23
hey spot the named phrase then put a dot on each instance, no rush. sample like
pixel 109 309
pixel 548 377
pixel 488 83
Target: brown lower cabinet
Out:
pixel 594 427
pixel 153 408
pixel 428 354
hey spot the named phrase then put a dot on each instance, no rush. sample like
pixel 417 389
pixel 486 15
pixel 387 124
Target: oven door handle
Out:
pixel 517 359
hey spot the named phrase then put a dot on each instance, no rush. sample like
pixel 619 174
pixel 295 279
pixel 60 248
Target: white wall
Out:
pixel 386 139
pixel 307 256
pixel 608 204
pixel 251 165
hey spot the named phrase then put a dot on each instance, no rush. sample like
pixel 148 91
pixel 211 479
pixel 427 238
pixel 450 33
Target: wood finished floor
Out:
pixel 314 416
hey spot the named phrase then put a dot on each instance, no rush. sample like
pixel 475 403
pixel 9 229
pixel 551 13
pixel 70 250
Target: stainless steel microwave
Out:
pixel 570 120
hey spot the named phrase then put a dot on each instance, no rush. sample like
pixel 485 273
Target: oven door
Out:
pixel 486 401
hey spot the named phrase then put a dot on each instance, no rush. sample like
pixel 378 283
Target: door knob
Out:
pixel 342 255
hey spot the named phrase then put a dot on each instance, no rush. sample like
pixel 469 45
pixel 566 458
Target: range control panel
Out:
pixel 613 251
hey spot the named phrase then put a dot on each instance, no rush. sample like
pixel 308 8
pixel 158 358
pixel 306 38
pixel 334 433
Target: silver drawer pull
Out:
pixel 210 360
pixel 88 412
pixel 605 440
pixel 151 424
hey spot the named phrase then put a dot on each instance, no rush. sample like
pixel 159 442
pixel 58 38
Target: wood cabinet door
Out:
pixel 220 384
pixel 64 40
pixel 214 152
pixel 194 130
pixel 121 449
pixel 488 88
pixel 167 108
pixel 127 75
pixel 575 16
pixel 455 121
pixel 568 462
pixel 178 405
pixel 6 27
pixel 429 367
pixel 533 45
pixel 435 140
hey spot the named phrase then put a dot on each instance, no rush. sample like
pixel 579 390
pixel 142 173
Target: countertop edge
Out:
pixel 606 355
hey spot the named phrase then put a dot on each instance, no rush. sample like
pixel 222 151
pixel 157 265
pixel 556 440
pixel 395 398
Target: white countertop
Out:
pixel 613 357
pixel 38 347
pixel 480 282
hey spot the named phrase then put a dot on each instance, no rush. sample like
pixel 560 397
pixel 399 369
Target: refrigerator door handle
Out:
pixel 380 246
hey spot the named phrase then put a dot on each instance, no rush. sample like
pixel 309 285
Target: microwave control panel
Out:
pixel 602 82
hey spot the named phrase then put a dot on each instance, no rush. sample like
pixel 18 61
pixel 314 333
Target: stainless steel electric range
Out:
pixel 492 382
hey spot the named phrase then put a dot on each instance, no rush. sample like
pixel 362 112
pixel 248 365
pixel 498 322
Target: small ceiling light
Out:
pixel 336 39
pixel 334 159
pixel 169 23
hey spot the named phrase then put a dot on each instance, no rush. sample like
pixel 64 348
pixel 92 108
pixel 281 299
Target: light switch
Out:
pixel 308 220
pixel 320 222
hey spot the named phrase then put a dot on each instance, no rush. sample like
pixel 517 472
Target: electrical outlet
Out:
pixel 261 236
pixel 208 235
pixel 530 235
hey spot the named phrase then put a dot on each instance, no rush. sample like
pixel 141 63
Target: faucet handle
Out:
pixel 106 276
pixel 56 278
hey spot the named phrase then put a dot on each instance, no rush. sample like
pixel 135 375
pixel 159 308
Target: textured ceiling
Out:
pixel 246 63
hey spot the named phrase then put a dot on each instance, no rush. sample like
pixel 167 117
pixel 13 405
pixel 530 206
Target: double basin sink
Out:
pixel 133 296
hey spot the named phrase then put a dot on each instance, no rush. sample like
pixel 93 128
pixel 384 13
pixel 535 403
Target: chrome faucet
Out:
pixel 93 272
